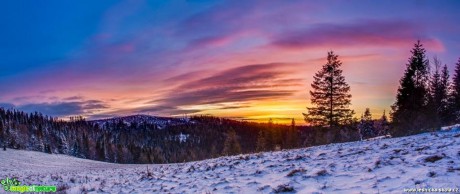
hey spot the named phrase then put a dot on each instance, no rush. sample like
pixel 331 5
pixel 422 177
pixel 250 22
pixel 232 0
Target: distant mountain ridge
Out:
pixel 161 122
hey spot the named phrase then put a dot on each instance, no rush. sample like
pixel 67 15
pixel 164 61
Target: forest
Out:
pixel 199 138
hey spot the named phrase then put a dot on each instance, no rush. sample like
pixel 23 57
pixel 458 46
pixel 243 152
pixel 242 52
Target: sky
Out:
pixel 248 60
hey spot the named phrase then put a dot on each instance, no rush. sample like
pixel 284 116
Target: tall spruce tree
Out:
pixel 454 110
pixel 444 103
pixel 410 109
pixel 366 125
pixel 439 94
pixel 436 94
pixel 330 95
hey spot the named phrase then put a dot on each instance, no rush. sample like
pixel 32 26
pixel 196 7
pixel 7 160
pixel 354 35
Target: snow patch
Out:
pixel 455 127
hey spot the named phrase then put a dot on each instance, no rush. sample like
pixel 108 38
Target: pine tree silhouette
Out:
pixel 454 110
pixel 330 96
pixel 231 145
pixel 366 126
pixel 410 109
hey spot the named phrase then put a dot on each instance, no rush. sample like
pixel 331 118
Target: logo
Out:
pixel 7 183
pixel 13 185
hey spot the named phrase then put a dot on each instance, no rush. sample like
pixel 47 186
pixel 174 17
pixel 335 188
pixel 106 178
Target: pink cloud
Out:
pixel 362 33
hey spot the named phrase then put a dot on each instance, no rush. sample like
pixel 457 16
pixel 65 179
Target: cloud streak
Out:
pixel 236 85
pixel 358 33
pixel 60 109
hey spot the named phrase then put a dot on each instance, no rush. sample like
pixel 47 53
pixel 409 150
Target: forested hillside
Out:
pixel 128 140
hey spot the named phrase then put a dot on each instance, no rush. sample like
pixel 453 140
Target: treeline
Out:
pixel 426 100
pixel 202 137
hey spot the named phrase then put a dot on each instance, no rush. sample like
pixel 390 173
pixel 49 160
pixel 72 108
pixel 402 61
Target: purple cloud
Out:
pixel 240 84
pixel 59 109
pixel 364 32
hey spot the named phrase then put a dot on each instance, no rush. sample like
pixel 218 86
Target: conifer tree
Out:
pixel 382 126
pixel 330 96
pixel 439 95
pixel 366 125
pixel 231 145
pixel 261 144
pixel 2 136
pixel 119 154
pixel 100 148
pixel 410 109
pixel 270 135
pixel 444 103
pixel 291 136
pixel 435 94
pixel 455 95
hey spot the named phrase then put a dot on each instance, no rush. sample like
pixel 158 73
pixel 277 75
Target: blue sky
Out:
pixel 170 58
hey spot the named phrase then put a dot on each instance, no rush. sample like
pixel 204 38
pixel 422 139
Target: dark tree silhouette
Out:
pixel 261 142
pixel 330 96
pixel 455 95
pixel 443 109
pixel 291 136
pixel 231 145
pixel 410 109
pixel 437 95
pixel 2 136
pixel 382 126
pixel 366 125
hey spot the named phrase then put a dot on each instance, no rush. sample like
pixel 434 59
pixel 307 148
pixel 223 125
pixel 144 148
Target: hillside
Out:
pixel 376 166
pixel 146 139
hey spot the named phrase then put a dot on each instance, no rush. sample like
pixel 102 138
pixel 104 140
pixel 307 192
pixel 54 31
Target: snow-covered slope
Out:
pixel 430 160
pixel 455 127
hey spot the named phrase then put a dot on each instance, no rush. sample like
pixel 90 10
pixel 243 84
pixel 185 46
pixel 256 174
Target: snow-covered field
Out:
pixel 430 160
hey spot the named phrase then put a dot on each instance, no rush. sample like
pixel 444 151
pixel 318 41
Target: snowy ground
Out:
pixel 430 160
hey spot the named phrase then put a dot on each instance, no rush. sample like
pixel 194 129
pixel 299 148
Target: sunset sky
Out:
pixel 250 60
